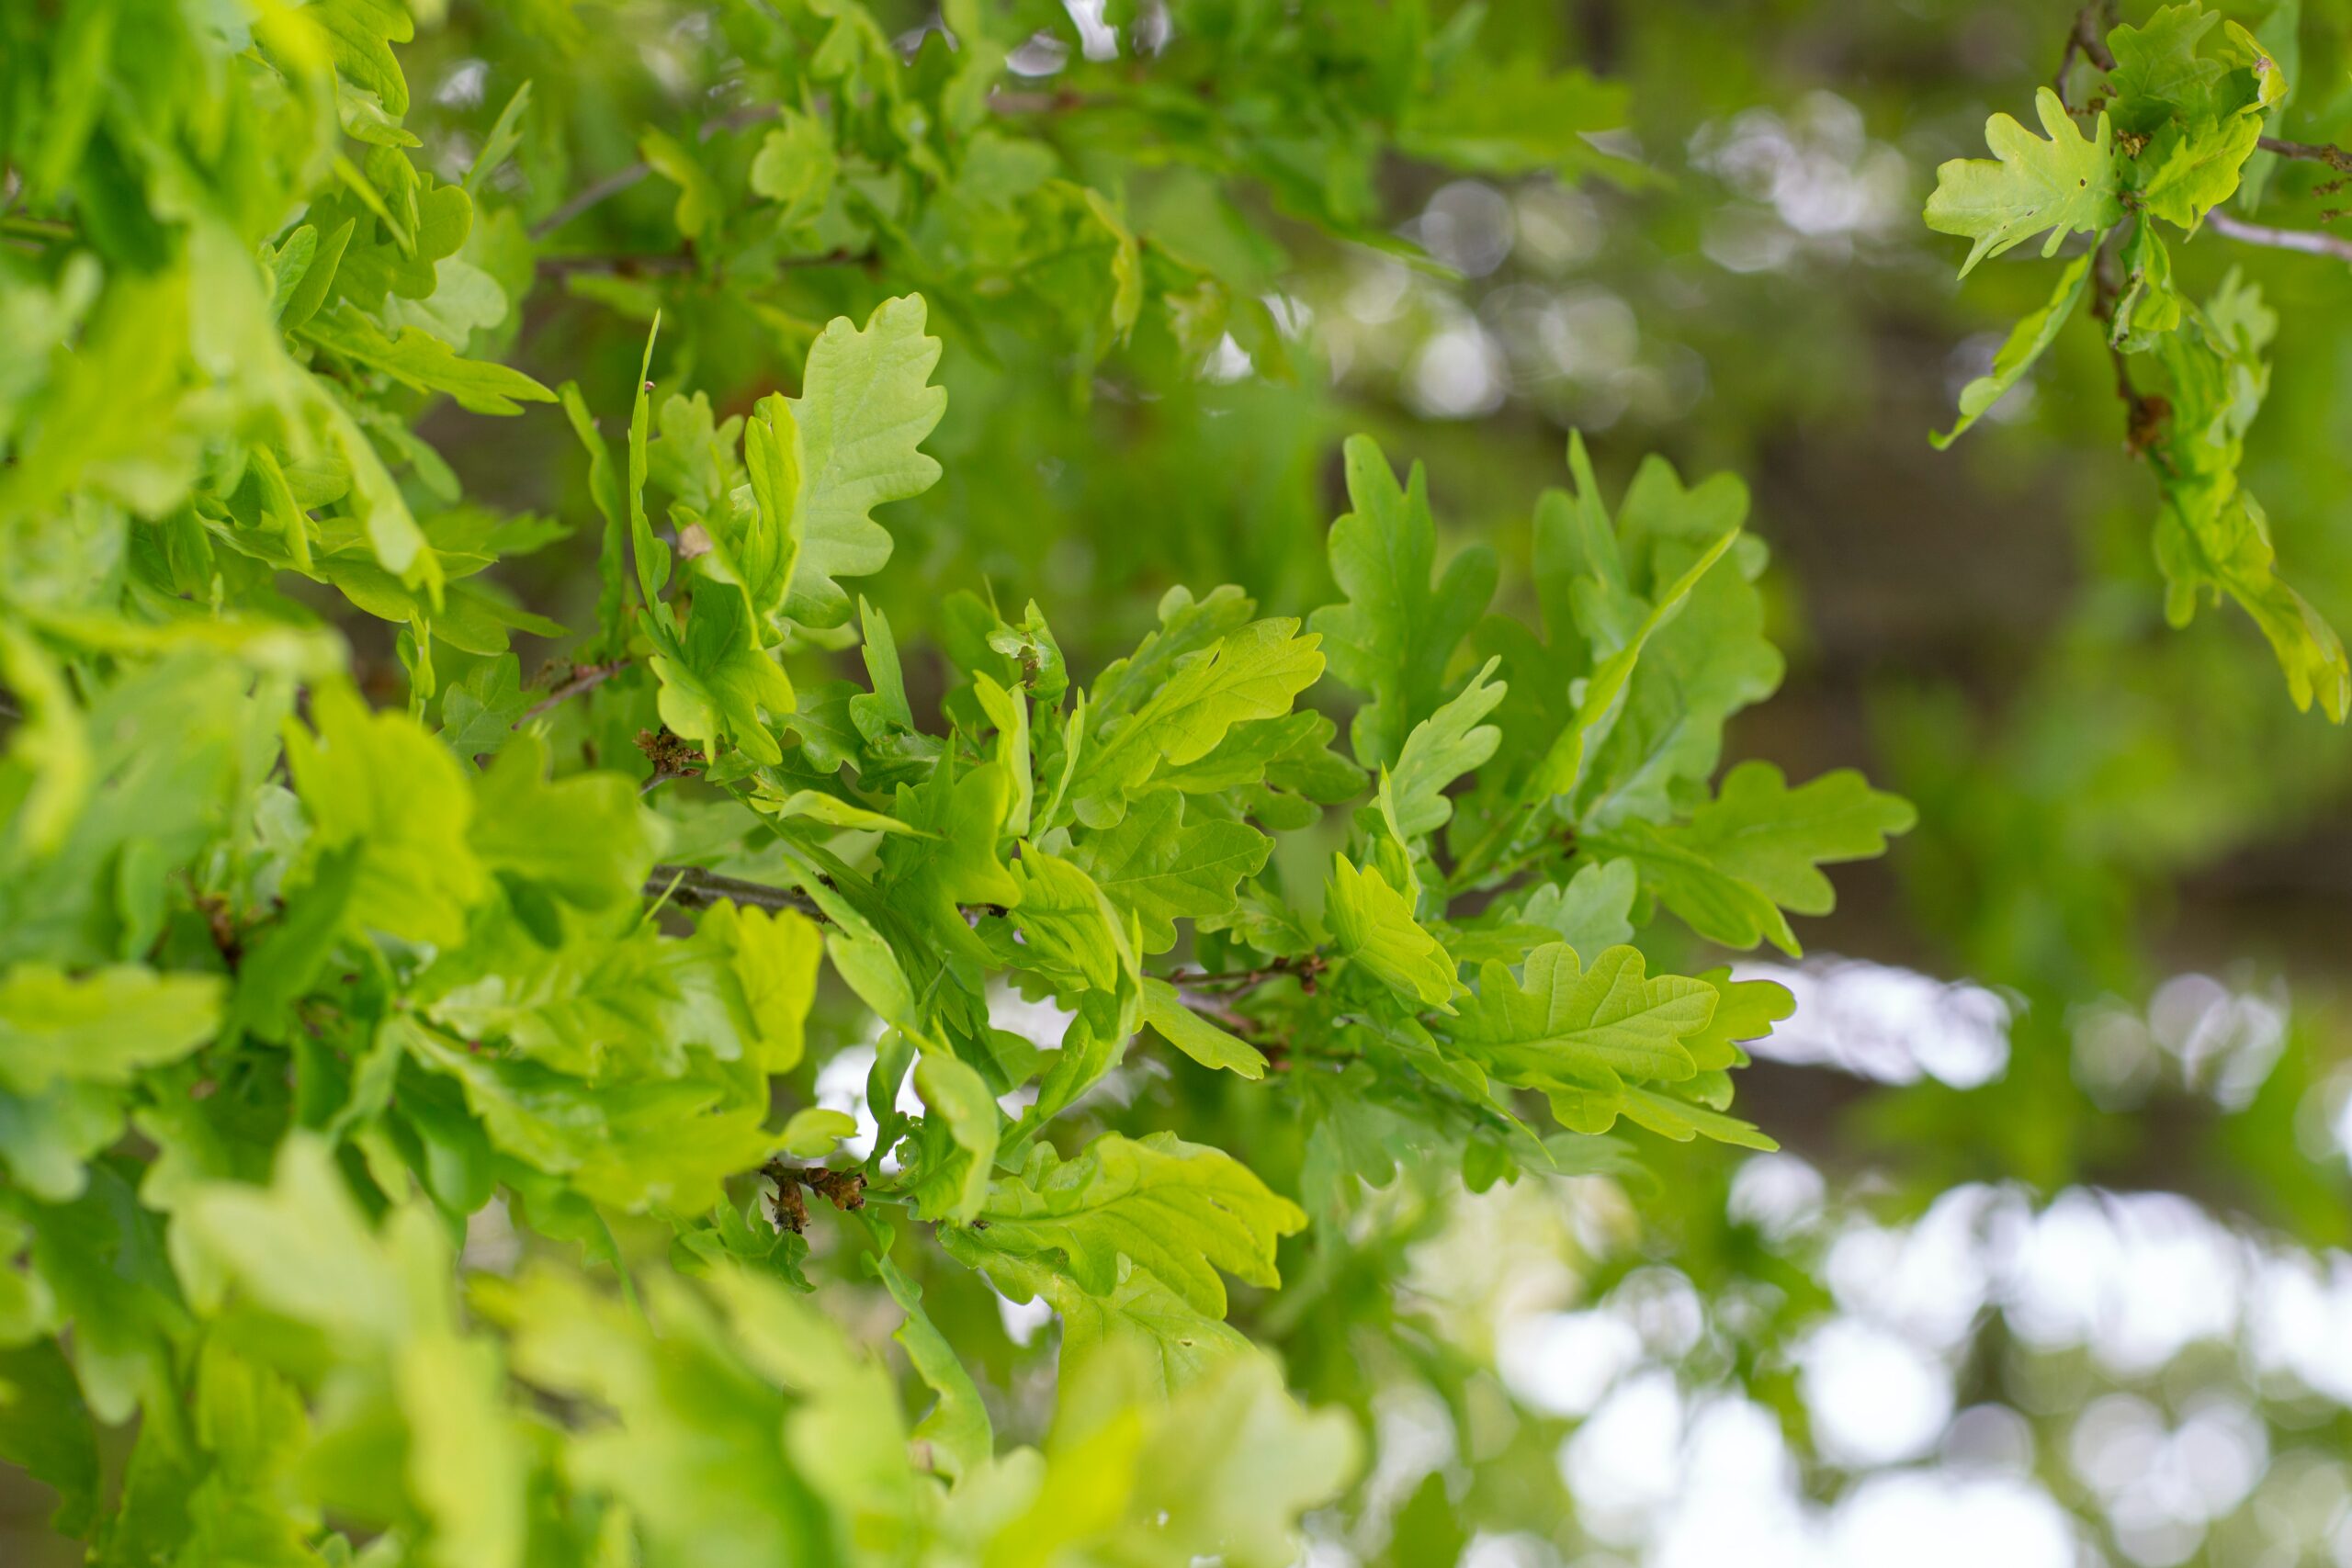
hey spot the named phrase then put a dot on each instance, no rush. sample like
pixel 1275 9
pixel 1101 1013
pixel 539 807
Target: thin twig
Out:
pixel 620 180
pixel 2326 152
pixel 583 677
pixel 2145 416
pixel 694 888
pixel 1306 966
pixel 652 265
pixel 2303 240
pixel 2082 42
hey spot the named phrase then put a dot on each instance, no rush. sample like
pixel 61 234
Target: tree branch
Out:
pixel 2306 241
pixel 2335 157
pixel 2084 42
pixel 694 888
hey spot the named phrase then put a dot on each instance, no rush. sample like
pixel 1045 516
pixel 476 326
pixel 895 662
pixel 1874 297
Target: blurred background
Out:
pixel 2049 1271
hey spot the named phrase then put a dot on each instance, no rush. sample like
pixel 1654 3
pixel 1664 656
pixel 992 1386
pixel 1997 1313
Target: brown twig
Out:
pixel 2301 240
pixel 2082 43
pixel 2326 152
pixel 2145 414
pixel 1306 967
pixel 692 887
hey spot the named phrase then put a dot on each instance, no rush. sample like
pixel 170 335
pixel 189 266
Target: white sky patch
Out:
pixel 1891 1024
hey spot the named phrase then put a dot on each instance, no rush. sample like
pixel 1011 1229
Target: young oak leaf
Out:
pixel 1591 910
pixel 2163 73
pixel 721 682
pixel 378 780
pixel 1070 931
pixel 583 839
pixel 1671 1117
pixel 1757 849
pixel 418 359
pixel 2192 169
pixel 1164 1009
pixel 1160 868
pixel 1372 923
pixel 1442 748
pixel 866 403
pixel 102 1027
pixel 1777 839
pixel 1394 636
pixel 959 1436
pixel 1583 1029
pixel 2028 186
pixel 1709 661
pixel 662 1143
pixel 1142 1316
pixel 956 861
pixel 2026 341
pixel 1181 1211
pixel 1254 672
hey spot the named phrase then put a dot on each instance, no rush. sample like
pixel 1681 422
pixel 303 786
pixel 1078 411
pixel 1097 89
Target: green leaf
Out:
pixel 1604 701
pixel 954 1091
pixel 1394 636
pixel 2148 307
pixel 583 840
pixel 2162 72
pixel 866 404
pixel 2189 170
pixel 2025 344
pixel 418 359
pixel 2028 186
pixel 812 1133
pixel 1583 1029
pixel 956 862
pixel 772 955
pixel 1142 1318
pixel 1255 672
pixel 960 1439
pixel 1591 910
pixel 670 1143
pixel 1372 924
pixel 301 1249
pixel 1442 748
pixel 722 684
pixel 478 713
pixel 1070 930
pixel 102 1027
pixel 1757 849
pixel 701 205
pixel 797 166
pixel 1165 1011
pixel 380 782
pixel 1121 1467
pixel 1162 868
pixel 1682 1121
pixel 1179 1211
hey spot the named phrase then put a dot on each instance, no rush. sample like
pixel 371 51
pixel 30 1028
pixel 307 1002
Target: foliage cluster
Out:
pixel 309 983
